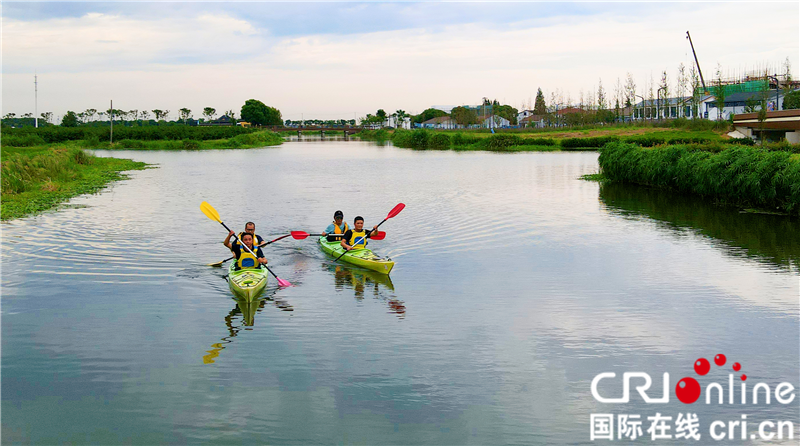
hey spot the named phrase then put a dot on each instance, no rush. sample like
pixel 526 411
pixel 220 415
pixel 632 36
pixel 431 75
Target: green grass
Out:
pixel 40 178
pixel 261 138
pixel 525 140
pixel 738 175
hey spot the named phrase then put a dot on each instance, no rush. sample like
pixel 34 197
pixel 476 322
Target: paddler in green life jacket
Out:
pixel 356 238
pixel 335 230
pixel 249 228
pixel 243 257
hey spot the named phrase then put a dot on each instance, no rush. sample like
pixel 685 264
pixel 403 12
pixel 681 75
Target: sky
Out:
pixel 340 60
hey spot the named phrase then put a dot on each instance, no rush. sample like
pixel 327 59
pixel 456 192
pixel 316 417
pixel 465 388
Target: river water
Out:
pixel 516 284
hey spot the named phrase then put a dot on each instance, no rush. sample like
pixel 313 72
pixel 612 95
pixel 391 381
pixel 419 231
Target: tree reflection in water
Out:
pixel 771 239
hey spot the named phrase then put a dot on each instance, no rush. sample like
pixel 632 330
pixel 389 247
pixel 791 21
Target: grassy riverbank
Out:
pixel 246 140
pixel 540 139
pixel 40 178
pixel 760 177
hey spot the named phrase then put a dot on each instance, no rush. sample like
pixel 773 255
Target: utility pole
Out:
pixel 696 62
pixel 36 100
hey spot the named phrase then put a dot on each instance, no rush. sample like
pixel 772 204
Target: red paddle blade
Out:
pixel 299 235
pixel 379 236
pixel 396 210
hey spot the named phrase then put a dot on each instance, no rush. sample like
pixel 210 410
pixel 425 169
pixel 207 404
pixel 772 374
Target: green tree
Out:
pixel 256 112
pixel 209 113
pixel 719 92
pixel 792 100
pixel 464 116
pixel 273 116
pixel 47 116
pixel 381 114
pixel 70 119
pixel 427 114
pixel 185 114
pixel 539 106
pixel 602 103
pixel 508 112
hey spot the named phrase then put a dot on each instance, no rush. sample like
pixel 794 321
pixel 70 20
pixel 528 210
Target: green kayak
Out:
pixel 364 258
pixel 247 282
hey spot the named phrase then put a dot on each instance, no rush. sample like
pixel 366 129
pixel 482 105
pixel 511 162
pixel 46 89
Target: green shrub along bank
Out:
pixel 739 175
pixel 423 139
pixel 34 180
pixel 30 136
pixel 244 141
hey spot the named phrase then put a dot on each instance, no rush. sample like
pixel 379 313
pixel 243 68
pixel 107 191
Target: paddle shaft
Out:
pixel 260 246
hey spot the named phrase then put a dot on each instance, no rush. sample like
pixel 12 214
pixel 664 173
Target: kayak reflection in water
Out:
pixel 244 259
pixel 356 238
pixel 362 281
pixel 337 227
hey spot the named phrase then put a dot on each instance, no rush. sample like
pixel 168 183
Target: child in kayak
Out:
pixel 357 237
pixel 243 258
pixel 335 230
pixel 249 228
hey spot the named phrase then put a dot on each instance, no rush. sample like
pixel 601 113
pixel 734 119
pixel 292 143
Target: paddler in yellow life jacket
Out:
pixel 356 238
pixel 249 228
pixel 243 257
pixel 336 229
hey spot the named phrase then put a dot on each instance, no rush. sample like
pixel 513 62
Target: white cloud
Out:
pixel 220 61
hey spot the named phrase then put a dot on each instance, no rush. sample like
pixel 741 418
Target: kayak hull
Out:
pixel 247 283
pixel 364 258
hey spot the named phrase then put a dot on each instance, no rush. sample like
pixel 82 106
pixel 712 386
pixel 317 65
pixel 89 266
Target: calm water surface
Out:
pixel 516 284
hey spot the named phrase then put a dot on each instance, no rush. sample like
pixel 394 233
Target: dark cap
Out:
pixel 338 214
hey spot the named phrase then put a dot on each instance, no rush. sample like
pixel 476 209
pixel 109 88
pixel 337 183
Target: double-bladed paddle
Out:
pixel 300 235
pixel 396 210
pixel 214 215
pixel 260 246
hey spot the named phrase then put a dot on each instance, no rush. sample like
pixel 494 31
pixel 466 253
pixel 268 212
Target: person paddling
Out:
pixel 244 259
pixel 336 229
pixel 357 237
pixel 249 228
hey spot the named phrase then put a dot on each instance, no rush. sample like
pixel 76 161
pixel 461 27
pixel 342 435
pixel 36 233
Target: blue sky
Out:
pixel 340 59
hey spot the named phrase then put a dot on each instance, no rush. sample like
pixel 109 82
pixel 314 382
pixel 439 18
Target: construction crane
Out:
pixel 695 61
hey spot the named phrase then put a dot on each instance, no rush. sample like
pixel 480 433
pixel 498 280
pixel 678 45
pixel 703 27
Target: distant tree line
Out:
pixel 253 111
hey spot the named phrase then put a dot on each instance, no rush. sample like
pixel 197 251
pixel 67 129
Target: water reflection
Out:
pixel 241 317
pixel 363 282
pixel 771 239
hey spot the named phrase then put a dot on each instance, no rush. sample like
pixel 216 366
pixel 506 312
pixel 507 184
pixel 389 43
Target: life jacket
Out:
pixel 246 260
pixel 338 230
pixel 255 240
pixel 362 239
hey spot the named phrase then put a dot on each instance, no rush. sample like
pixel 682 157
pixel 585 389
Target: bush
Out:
pixel 742 175
pixel 190 144
pixel 127 143
pixel 645 140
pixel 439 141
pixel 28 140
pixel 539 142
pixel 501 141
pixel 594 142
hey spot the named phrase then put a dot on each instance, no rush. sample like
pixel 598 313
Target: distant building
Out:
pixel 495 122
pixel 222 120
pixel 778 124
pixel 243 123
pixel 442 122
pixel 537 121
